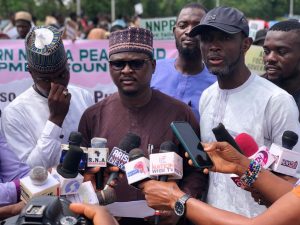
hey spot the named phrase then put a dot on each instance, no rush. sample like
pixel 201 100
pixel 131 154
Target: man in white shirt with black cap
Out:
pixel 241 100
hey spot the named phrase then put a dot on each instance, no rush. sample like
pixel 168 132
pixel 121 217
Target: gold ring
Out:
pixel 65 92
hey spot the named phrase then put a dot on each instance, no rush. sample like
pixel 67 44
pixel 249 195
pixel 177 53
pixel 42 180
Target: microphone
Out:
pixel 107 196
pixel 289 139
pixel 169 164
pixel 38 183
pixel 166 164
pixel 137 169
pixel 247 144
pixel 75 139
pixel 119 155
pixel 222 134
pixel 286 161
pixel 251 150
pixel 67 172
pixel 97 156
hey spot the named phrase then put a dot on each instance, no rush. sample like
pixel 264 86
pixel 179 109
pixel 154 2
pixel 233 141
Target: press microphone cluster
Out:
pixel 67 172
pixel 39 182
pixel 119 156
pixel 163 165
pixel 286 161
pixel 278 158
pixel 251 150
pixel 63 180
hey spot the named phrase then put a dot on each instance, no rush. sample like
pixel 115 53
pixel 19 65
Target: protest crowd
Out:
pixel 199 138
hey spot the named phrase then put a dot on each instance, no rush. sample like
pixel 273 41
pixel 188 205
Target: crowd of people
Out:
pixel 206 84
pixel 72 26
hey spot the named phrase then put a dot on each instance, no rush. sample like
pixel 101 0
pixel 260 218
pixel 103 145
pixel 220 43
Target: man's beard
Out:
pixel 188 53
pixel 129 93
pixel 225 71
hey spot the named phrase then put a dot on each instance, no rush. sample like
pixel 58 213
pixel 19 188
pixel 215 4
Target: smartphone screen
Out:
pixel 191 143
pixel 83 162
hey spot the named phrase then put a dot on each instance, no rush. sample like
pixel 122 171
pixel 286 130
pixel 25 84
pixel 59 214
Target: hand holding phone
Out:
pixel 191 143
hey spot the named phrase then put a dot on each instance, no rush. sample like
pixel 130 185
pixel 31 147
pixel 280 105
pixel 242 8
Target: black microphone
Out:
pixel 286 161
pixel 289 139
pixel 75 138
pixel 222 134
pixel 127 143
pixel 67 172
pixel 106 196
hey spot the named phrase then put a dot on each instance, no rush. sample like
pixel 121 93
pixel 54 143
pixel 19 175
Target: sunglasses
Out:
pixel 136 64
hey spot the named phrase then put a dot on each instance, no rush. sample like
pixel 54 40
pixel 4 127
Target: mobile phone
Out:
pixel 191 143
pixel 83 162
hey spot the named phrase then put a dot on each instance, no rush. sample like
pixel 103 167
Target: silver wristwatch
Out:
pixel 179 208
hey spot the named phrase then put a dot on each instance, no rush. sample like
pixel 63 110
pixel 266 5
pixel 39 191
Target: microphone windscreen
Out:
pixel 129 141
pixel 38 175
pixel 135 154
pixel 75 138
pixel 98 142
pixel 69 167
pixel 168 146
pixel 289 139
pixel 247 144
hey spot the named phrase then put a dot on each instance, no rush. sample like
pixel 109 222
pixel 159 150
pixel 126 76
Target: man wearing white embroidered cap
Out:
pixel 38 121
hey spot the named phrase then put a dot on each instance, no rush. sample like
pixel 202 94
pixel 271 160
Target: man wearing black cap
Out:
pixel 242 101
pixel 138 109
pixel 39 120
pixel 260 37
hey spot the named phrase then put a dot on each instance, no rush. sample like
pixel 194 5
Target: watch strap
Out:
pixel 184 198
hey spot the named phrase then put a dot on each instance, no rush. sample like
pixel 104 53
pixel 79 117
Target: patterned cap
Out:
pixel 132 39
pixel 45 50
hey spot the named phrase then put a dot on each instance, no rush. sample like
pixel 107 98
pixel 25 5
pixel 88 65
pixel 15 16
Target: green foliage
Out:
pixel 264 9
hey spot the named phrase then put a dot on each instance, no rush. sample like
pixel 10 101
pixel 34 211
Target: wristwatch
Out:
pixel 180 205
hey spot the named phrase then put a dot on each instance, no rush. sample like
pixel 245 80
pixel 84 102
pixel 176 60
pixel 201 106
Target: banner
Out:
pixel 88 67
pixel 162 28
pixel 254 59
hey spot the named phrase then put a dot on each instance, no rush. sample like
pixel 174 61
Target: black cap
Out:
pixel 260 35
pixel 69 167
pixel 227 19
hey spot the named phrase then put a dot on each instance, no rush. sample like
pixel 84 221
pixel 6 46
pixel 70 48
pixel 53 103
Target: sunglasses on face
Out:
pixel 136 64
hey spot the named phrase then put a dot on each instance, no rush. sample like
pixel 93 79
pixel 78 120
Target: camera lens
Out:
pixel 68 220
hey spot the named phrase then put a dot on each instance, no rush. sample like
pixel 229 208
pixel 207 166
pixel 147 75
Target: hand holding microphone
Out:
pixel 119 156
